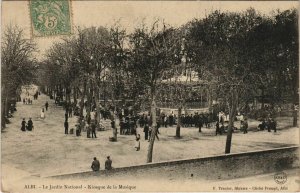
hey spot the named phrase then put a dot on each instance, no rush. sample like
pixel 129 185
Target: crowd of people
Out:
pixel 129 122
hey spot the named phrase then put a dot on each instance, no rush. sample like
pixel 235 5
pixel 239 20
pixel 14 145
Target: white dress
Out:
pixel 42 115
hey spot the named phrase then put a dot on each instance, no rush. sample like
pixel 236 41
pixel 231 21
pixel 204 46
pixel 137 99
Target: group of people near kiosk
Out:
pixel 268 124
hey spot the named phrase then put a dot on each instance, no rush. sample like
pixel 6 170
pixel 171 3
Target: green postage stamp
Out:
pixel 50 17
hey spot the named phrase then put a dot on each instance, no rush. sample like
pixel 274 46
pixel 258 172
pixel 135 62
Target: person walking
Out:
pixel 95 165
pixel 46 105
pixel 146 131
pixel 94 130
pixel 66 124
pixel 108 163
pixel 23 127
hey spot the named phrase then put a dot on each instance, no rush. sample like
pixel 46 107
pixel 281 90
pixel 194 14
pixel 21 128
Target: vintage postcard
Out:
pixel 149 96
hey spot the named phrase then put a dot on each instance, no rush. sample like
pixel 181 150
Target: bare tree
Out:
pixel 18 65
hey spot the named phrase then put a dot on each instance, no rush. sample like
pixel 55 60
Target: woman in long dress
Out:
pixel 42 114
pixel 23 127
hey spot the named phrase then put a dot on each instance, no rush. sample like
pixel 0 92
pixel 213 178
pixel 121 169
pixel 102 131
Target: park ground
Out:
pixel 47 151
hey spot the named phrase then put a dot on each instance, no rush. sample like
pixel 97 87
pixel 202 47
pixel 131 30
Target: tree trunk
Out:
pixel 82 99
pixel 6 106
pixel 154 129
pixel 178 122
pixel 115 130
pixel 262 98
pixel 210 100
pixel 295 111
pixel 3 124
pixel 74 95
pixel 232 112
pixel 97 102
pixel 89 98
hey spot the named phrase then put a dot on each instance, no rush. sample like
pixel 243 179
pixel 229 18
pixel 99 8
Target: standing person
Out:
pixel 108 163
pixel 121 126
pixel 23 127
pixel 166 121
pixel 222 129
pixel 42 113
pixel 137 143
pixel 29 125
pixel 23 101
pixel 46 105
pixel 245 126
pixel 141 121
pixel 94 130
pixel 262 126
pixel 146 131
pixel 275 126
pixel 88 131
pixel 200 123
pixel 66 124
pixel 113 124
pixel 70 111
pixel 95 165
pixel 88 118
pixel 217 128
pixel 269 125
pixel 66 116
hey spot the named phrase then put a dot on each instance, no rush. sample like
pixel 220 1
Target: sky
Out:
pixel 131 13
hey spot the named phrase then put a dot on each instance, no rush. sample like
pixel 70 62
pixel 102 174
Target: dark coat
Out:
pixel 66 124
pixel 95 165
pixel 108 163
pixel 146 129
pixel 29 125
pixel 23 128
